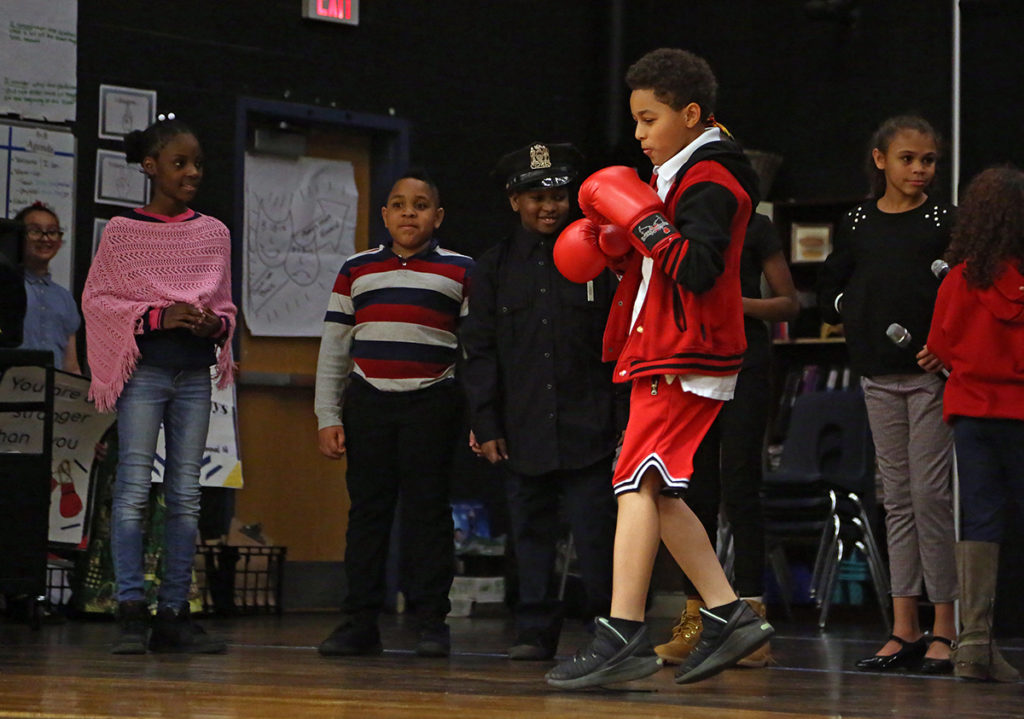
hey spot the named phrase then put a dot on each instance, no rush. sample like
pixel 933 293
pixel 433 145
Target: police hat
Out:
pixel 538 167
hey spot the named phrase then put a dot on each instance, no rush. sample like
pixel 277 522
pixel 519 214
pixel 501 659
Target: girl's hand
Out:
pixel 927 361
pixel 207 324
pixel 180 314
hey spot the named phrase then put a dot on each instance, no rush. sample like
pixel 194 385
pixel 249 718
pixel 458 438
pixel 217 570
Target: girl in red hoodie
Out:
pixel 977 332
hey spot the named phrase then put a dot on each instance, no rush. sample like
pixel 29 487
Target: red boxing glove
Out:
pixel 618 194
pixel 614 241
pixel 577 253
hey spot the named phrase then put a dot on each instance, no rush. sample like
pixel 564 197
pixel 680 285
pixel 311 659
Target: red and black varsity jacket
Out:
pixel 691 321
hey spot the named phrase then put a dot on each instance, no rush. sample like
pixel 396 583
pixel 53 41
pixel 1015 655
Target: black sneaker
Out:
pixel 174 632
pixel 133 621
pixel 533 645
pixel 350 639
pixel 609 658
pixel 724 642
pixel 434 641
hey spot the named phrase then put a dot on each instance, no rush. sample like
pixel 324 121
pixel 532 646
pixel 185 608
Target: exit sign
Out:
pixel 343 11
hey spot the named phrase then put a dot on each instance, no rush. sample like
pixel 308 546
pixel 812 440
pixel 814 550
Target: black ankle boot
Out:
pixel 133 622
pixel 175 632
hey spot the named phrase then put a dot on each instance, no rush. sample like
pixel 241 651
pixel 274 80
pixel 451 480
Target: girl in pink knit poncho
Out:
pixel 158 315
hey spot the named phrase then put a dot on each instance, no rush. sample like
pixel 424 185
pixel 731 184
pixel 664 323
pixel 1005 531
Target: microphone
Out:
pixel 940 268
pixel 900 336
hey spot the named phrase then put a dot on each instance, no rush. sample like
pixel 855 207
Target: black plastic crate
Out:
pixel 240 580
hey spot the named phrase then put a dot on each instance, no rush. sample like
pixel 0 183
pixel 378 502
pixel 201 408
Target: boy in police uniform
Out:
pixel 542 402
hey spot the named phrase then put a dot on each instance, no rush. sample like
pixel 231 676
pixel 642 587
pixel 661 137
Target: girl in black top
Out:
pixel 880 274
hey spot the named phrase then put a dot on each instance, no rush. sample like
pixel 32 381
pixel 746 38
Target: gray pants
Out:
pixel 914 448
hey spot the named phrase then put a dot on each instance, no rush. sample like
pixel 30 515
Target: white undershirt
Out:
pixel 706 386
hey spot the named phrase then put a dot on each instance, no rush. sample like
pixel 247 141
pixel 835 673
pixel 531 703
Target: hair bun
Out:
pixel 133 146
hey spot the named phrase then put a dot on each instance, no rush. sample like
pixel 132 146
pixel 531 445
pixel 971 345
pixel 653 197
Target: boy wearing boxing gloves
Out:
pixel 675 331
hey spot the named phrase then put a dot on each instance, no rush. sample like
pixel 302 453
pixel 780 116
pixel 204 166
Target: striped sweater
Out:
pixel 392 323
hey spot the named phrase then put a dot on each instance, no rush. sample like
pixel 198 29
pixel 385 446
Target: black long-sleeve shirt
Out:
pixel 882 266
pixel 533 372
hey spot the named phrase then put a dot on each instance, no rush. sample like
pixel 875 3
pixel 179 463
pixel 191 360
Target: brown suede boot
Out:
pixel 976 655
pixel 763 654
pixel 685 635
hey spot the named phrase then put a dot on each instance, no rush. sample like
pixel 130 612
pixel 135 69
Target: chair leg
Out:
pixel 830 584
pixel 570 548
pixel 826 548
pixel 783 577
pixel 724 547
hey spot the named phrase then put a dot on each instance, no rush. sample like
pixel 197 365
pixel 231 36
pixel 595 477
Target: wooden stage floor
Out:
pixel 272 671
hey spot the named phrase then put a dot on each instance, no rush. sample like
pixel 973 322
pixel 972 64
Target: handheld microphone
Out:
pixel 900 337
pixel 940 268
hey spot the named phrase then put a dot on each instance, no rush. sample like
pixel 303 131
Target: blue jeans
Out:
pixel 181 401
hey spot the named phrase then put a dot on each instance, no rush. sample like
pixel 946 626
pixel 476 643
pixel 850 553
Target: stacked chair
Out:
pixel 823 496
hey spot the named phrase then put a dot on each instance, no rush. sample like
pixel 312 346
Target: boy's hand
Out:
pixel 619 194
pixel 494 450
pixel 332 441
pixel 578 255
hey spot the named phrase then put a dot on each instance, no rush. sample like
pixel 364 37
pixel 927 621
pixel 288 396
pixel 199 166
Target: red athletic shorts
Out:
pixel 666 424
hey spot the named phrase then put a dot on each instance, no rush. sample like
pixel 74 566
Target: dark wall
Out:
pixel 477 79
pixel 993 75
pixel 813 89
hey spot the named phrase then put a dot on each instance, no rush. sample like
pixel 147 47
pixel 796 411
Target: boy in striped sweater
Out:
pixel 386 398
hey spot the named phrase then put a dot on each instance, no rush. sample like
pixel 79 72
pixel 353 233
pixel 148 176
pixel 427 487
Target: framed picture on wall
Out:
pixel 117 183
pixel 123 109
pixel 810 241
pixel 97 232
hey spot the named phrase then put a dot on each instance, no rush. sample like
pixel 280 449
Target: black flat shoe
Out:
pixel 937 666
pixel 909 655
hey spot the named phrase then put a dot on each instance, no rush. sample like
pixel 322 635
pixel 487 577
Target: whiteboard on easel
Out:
pixel 37 163
pixel 38 59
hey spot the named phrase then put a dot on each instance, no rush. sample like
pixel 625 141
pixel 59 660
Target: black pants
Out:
pixel 727 471
pixel 588 502
pixel 400 444
pixel 990 457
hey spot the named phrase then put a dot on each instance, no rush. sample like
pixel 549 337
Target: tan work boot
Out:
pixel 685 635
pixel 763 654
pixel 976 655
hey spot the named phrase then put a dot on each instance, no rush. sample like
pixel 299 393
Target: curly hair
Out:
pixel 677 78
pixel 883 136
pixel 989 228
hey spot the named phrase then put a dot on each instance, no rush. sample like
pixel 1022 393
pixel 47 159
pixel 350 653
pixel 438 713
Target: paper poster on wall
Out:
pixel 123 109
pixel 221 465
pixel 37 163
pixel 38 59
pixel 77 428
pixel 300 225
pixel 117 182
